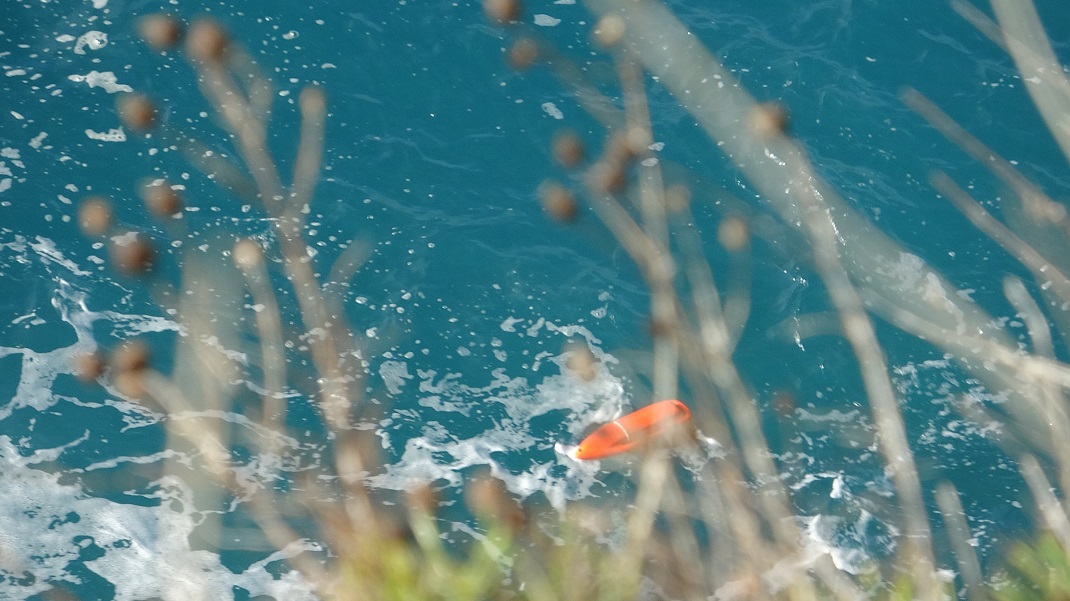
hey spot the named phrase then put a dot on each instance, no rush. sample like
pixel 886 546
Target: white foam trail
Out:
pixel 568 451
pixel 46 526
pixel 507 405
pixel 511 416
pixel 51 530
pixel 40 369
pixel 847 541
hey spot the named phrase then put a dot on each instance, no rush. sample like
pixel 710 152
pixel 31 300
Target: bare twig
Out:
pixel 1050 509
pixel 1041 71
pixel 1039 206
pixel 313 105
pixel 959 532
pixel 662 268
pixel 859 331
pixel 249 258
pixel 1043 271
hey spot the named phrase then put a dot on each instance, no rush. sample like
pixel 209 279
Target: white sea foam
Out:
pixel 39 369
pixel 52 529
pixel 101 79
pixel 500 418
pixel 112 135
pixel 439 454
pixel 551 109
pixel 92 39
pixel 46 526
pixel 543 20
pixel 846 540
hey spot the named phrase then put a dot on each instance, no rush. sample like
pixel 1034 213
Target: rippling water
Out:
pixel 434 151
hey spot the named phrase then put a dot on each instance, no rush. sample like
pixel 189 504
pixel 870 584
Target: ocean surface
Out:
pixel 435 148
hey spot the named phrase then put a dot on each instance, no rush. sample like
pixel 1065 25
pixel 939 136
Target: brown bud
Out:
pixel 94 216
pixel 206 41
pixel 137 112
pixel 160 31
pixel 502 11
pixel 768 119
pixel 568 149
pixel 609 31
pixel 130 384
pixel 637 141
pixel 607 177
pixel 89 366
pixel 422 498
pixel 161 199
pixel 247 254
pixel 523 53
pixel 487 497
pixel 624 146
pixel 132 253
pixel 732 233
pixel 132 355
pixel 557 201
pixel 659 327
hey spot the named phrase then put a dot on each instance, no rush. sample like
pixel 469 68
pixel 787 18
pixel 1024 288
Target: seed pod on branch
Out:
pixel 206 41
pixel 138 112
pixel 94 216
pixel 160 31
pixel 502 11
pixel 132 253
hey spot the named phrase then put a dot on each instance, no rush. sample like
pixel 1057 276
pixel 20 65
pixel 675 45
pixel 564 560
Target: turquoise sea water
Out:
pixel 434 151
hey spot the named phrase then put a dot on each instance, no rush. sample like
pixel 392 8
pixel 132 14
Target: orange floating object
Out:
pixel 625 433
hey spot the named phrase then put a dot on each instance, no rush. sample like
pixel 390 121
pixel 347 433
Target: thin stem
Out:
pixel 269 332
pixel 323 336
pixel 652 208
pixel 1050 509
pixel 1052 401
pixel 1039 206
pixel 959 533
pixel 720 105
pixel 859 331
pixel 313 106
pixel 1041 71
pixel 1043 270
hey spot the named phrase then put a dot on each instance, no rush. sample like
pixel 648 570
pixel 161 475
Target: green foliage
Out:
pixel 400 570
pixel 1037 570
pixel 512 558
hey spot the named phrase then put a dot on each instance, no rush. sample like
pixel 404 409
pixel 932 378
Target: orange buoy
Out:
pixel 625 433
